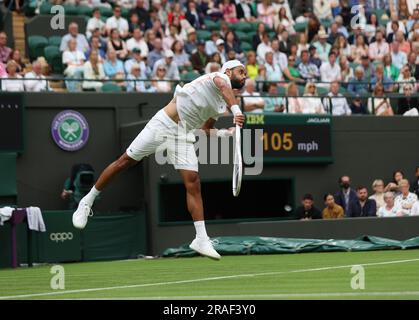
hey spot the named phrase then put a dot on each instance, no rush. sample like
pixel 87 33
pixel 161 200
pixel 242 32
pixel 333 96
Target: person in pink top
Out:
pixel 229 11
pixel 266 12
pixel 3 72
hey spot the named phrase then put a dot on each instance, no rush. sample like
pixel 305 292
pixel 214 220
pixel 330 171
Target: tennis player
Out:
pixel 196 105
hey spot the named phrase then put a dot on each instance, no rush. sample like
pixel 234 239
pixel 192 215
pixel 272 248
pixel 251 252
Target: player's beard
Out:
pixel 236 84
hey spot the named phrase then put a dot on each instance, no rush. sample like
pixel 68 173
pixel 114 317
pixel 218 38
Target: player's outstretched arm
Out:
pixel 228 96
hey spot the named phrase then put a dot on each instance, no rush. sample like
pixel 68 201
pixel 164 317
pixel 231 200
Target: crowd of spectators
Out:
pixel 312 51
pixel 396 199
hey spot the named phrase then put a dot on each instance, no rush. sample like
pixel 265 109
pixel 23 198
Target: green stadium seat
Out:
pixel 325 23
pixel 70 10
pixel 111 87
pixel 322 91
pixel 54 41
pixel 36 46
pixel 246 46
pixel 272 35
pixel 300 27
pixel 190 76
pixel 53 56
pixel 84 11
pixel 124 12
pixel 282 91
pixel 203 35
pixel 45 8
pixel 243 27
pixel 243 36
pixel 211 25
pixel 105 12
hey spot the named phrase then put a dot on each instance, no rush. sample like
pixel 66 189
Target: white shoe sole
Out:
pixel 217 258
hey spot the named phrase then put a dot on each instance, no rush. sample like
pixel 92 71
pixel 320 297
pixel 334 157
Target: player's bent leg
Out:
pixel 202 243
pixel 84 209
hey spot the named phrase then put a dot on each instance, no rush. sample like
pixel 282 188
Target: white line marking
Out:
pixel 202 279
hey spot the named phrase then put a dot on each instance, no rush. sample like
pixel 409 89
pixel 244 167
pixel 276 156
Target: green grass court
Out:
pixel 388 275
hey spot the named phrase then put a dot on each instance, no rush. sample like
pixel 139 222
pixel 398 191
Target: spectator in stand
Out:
pixel 16 56
pixel 413 65
pixel 210 45
pixel 251 65
pixel 160 82
pixel 311 103
pixel 143 15
pixel 136 80
pixel 362 207
pixel 404 46
pixel 302 44
pixel 191 43
pixel 307 210
pixel 96 45
pixel 35 81
pixel 252 101
pixel 279 57
pixel 263 48
pixel 378 196
pixel 332 210
pixel 407 104
pixel 308 71
pixel 398 57
pixel 13 81
pixel 245 11
pixel 295 105
pixel 379 104
pixel 173 36
pixel 231 43
pixel 221 50
pixel 172 71
pixel 116 43
pixel 314 58
pixel 266 12
pixel 368 67
pixel 281 19
pixel 195 16
pixel 405 78
pixel 346 194
pixel 74 60
pixel 379 48
pixel 371 27
pixel 346 70
pixel 117 22
pixel 394 28
pixel 136 58
pixel 393 186
pixel 330 71
pixel 379 77
pixel 343 49
pixel 137 41
pixel 395 19
pixel 113 67
pixel 359 83
pixel 229 11
pixel 134 22
pixel 181 58
pixel 333 33
pixel 284 42
pixel 95 22
pixel 357 106
pixel 291 73
pixel 5 51
pixel 353 39
pixel 390 70
pixel 273 103
pixel 415 183
pixel 93 70
pixel 405 199
pixel 199 59
pixel 156 53
pixel 273 70
pixel 335 103
pixel 212 67
pixel 258 37
pixel 359 50
pixel 73 33
pixel 389 209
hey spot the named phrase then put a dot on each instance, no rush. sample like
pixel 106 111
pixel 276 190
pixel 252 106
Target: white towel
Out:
pixel 35 220
pixel 5 214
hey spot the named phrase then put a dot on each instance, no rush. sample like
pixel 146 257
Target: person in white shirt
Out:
pixel 399 58
pixel 378 196
pixel 93 70
pixel 322 9
pixel 273 70
pixel 263 48
pixel 117 22
pixel 137 41
pixel 395 18
pixel 378 49
pixel 336 103
pixel 389 209
pixel 38 81
pixel 73 33
pixel 378 104
pixel 280 58
pixel 13 81
pixel 405 199
pixel 330 71
pixel 95 22
pixel 74 59
pixel 172 71
pixel 136 80
pixel 136 58
pixel 311 103
pixel 415 209
pixel 252 101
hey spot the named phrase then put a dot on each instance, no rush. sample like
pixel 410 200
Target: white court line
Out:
pixel 202 279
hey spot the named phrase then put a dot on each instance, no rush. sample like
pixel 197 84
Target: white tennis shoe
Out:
pixel 204 246
pixel 81 215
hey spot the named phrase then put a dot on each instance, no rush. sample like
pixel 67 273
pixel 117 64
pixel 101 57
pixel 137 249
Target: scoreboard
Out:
pixel 292 138
pixel 11 122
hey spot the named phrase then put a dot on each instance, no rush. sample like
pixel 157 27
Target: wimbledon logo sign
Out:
pixel 70 130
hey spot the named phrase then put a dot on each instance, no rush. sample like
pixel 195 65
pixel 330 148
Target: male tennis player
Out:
pixel 197 105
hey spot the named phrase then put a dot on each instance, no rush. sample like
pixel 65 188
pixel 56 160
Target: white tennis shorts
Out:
pixel 168 140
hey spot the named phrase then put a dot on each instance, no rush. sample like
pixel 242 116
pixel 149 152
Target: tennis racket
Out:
pixel 238 164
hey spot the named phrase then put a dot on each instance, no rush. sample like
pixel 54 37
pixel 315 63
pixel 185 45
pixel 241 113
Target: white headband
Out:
pixel 231 65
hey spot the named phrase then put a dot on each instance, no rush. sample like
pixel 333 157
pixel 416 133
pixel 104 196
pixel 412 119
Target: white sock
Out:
pixel 201 232
pixel 91 196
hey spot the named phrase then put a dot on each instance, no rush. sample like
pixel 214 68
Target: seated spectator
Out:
pixel 245 11
pixel 113 67
pixel 395 19
pixel 282 19
pixel 307 210
pixel 258 37
pixel 117 44
pixel 359 50
pixel 330 71
pixel 117 22
pixel 415 209
pixel 229 11
pixel 404 46
pixel 405 199
pixel 371 27
pixel 336 104
pixel 404 78
pixel 389 209
pixel 332 210
pixel 143 14
pixel 195 16
pixel 408 104
pixel 156 54
pixel 379 104
pixel 173 36
pixel 263 47
pixel 37 81
pixel 399 58
pixel 190 44
pixel 13 81
pixel 295 105
pixel 231 43
pixel 96 45
pixel 74 60
pixel 358 84
pixel 95 22
pixel 379 77
pixel 160 82
pixel 378 196
pixel 303 44
pixel 311 103
pixel 17 57
pixel 346 70
pixel 314 59
pixel 273 70
pixel 181 58
pixel 413 65
pixel 199 59
pixel 379 48
pixel 171 68
pixel 394 28
pixel 93 70
pixel 137 58
pixel 284 42
pixel 136 80
pixel 221 50
pixel 3 72
pixel 308 71
pixel 137 41
pixel 273 103
pixel 261 79
pixel 357 106
pixel 252 101
pixel 251 65
pixel 342 47
pixel 368 67
pixel 333 33
pixel 341 28
pixel 73 33
pixel 346 194
pixel 390 70
pixel 210 45
pixel 362 207
pixel 322 46
pixel 279 57
pixel 393 186
pixel 4 49
pixel 212 67
pixel 265 12
pixel 291 73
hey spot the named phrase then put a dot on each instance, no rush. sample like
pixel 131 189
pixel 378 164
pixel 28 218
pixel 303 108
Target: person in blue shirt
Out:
pixel 362 207
pixel 112 65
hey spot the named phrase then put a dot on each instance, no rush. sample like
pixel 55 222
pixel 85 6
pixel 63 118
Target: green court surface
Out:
pixel 388 275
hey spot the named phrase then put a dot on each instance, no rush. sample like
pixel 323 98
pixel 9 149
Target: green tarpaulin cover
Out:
pixel 268 245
